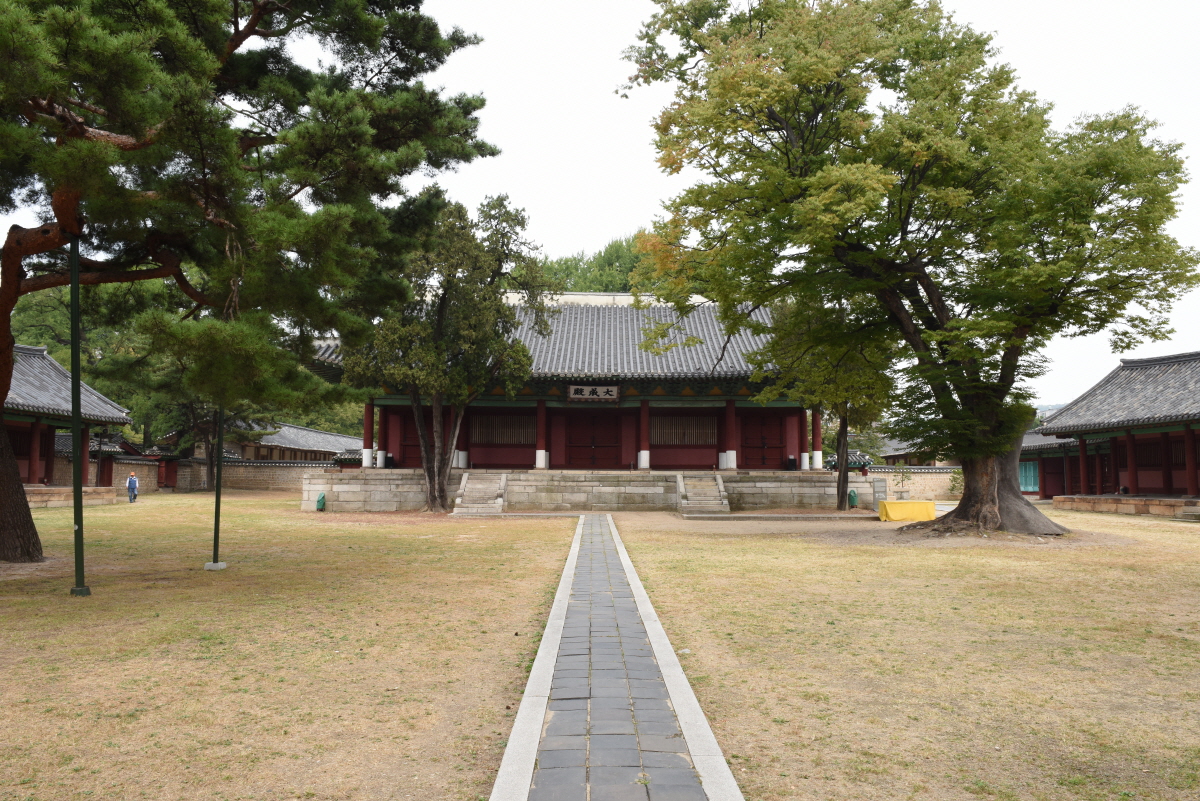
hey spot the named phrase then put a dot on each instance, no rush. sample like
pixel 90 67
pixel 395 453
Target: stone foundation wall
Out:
pixel 551 491
pixel 791 490
pixel 366 490
pixel 926 484
pixel 1123 505
pixel 54 497
pixel 248 475
pixel 376 490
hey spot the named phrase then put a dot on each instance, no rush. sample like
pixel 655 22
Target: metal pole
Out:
pixel 216 563
pixel 79 450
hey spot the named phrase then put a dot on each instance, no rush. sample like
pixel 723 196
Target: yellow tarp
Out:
pixel 907 510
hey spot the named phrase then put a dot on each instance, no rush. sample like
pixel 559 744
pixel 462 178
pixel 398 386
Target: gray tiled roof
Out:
pixel 41 386
pixel 1038 442
pixel 1139 392
pixel 603 342
pixel 310 439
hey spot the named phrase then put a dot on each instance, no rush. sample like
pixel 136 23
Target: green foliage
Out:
pixel 607 270
pixel 873 152
pixel 956 482
pixel 340 418
pixel 456 336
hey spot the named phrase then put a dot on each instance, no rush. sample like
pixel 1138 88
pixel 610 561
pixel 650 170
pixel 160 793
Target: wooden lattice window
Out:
pixel 683 431
pixel 503 430
pixel 1149 454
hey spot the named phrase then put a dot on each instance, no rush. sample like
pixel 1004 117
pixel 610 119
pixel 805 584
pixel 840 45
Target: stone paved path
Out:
pixel 610 732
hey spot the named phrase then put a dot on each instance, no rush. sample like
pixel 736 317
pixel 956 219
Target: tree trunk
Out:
pixel 843 463
pixel 19 541
pixel 433 452
pixel 210 462
pixel 992 498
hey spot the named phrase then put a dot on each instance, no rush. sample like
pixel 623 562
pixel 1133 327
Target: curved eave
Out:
pixel 48 411
pixel 1084 428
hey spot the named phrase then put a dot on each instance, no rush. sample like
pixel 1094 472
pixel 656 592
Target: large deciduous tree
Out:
pixel 188 141
pixel 875 149
pixel 457 337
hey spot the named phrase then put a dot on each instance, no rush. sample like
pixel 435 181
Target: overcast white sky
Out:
pixel 580 159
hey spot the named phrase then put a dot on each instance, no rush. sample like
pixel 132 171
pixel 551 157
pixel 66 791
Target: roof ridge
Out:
pixel 318 430
pixel 1152 360
pixel 38 349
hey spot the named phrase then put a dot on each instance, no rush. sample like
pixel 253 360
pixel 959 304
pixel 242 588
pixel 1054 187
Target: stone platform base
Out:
pixel 375 490
pixel 41 497
pixel 1125 504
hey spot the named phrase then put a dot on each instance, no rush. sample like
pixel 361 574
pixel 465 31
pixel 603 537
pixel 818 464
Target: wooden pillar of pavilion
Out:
pixel 643 462
pixel 1066 472
pixel 35 452
pixel 1116 468
pixel 1168 470
pixel 804 445
pixel 1189 460
pixel 368 433
pixel 1131 464
pixel 1083 467
pixel 541 458
pixel 731 443
pixel 1043 492
pixel 817 457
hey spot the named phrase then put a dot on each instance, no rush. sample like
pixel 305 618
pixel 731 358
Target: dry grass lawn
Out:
pixel 339 656
pixel 841 660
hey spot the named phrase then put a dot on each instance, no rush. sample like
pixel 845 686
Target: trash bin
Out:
pixel 791 463
pixel 321 502
pixel 852 497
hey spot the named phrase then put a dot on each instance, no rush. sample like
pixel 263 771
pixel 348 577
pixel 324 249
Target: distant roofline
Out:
pixel 1154 360
pixel 597 299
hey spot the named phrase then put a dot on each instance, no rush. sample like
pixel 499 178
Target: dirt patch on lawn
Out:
pixel 857 532
pixel 835 665
pixel 381 658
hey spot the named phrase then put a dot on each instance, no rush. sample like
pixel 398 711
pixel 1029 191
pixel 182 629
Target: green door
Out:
pixel 1029 477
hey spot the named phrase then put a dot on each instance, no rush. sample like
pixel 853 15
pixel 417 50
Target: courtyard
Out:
pixel 379 656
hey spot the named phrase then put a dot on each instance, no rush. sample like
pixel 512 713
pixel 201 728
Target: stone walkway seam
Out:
pixel 715 775
pixel 520 755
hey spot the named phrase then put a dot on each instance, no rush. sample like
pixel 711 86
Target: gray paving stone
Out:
pixel 607 741
pixel 560 777
pixel 656 742
pixel 675 792
pixel 618 792
pixel 569 703
pixel 554 793
pixel 561 759
pixel 652 759
pixel 672 776
pixel 566 743
pixel 614 758
pixel 614 775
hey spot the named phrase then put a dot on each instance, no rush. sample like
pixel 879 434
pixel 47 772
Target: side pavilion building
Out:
pixel 1132 433
pixel 597 401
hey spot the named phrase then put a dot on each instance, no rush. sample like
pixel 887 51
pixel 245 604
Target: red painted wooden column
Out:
pixel 1189 460
pixel 35 452
pixel 817 439
pixel 804 447
pixel 1066 473
pixel 540 455
pixel 87 452
pixel 1116 468
pixel 1131 464
pixel 1168 470
pixel 368 429
pixel 731 444
pixel 1042 493
pixel 1083 467
pixel 791 436
pixel 643 462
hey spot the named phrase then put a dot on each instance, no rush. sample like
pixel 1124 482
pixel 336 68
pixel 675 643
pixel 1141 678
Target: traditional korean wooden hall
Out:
pixel 603 425
pixel 1132 434
pixel 596 400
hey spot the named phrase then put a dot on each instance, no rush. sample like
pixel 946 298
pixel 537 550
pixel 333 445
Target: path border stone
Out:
pixel 515 775
pixel 715 774
pixel 520 755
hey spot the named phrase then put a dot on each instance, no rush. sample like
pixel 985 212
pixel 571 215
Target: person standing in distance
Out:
pixel 131 484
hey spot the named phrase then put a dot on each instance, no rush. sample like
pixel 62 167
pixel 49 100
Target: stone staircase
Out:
pixel 1189 513
pixel 702 494
pixel 481 494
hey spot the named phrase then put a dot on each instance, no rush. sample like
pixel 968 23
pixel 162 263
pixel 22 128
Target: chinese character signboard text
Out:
pixel 593 393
